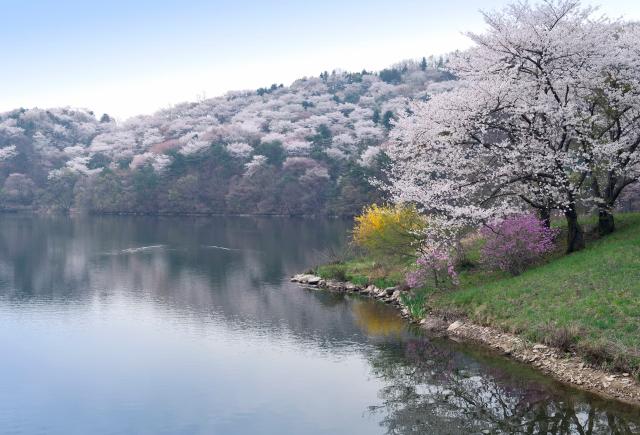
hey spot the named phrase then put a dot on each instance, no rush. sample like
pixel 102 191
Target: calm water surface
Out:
pixel 138 325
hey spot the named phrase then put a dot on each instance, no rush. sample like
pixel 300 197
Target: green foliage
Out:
pixel 337 271
pixel 98 160
pixel 322 138
pixel 416 302
pixel 273 87
pixel 376 116
pixel 361 280
pixel 384 282
pixel 387 119
pixel 391 75
pixel 363 271
pixel 124 162
pixel 273 151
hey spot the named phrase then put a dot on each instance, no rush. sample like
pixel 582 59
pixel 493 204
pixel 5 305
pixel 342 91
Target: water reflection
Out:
pixel 441 387
pixel 189 325
pixel 378 320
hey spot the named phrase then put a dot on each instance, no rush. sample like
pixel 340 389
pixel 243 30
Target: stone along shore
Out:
pixel 562 366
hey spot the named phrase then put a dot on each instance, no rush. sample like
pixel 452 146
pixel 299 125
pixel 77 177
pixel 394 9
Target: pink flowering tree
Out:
pixel 517 242
pixel 436 266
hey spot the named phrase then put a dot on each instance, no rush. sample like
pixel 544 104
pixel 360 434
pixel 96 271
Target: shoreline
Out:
pixel 564 367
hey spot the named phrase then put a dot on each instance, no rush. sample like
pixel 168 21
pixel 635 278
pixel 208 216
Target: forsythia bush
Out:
pixel 389 231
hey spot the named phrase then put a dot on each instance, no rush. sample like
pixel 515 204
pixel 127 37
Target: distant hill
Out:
pixel 308 148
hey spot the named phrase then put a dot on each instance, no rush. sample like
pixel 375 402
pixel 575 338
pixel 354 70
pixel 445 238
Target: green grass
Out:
pixel 588 301
pixel 364 271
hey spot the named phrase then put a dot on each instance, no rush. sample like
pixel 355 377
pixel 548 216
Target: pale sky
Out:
pixel 132 57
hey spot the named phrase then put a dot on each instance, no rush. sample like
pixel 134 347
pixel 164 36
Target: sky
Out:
pixel 127 58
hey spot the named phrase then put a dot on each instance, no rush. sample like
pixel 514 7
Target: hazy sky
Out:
pixel 131 57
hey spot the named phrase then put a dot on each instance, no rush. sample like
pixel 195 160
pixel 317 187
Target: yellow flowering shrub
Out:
pixel 389 231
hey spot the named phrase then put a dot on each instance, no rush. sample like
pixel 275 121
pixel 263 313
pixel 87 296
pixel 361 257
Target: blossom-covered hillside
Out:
pixel 304 149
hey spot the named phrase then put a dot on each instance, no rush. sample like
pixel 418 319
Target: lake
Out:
pixel 167 325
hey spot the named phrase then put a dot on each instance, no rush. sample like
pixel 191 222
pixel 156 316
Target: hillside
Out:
pixel 586 302
pixel 308 148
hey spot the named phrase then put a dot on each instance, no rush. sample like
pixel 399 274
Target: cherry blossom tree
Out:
pixel 7 152
pixel 155 162
pixel 545 115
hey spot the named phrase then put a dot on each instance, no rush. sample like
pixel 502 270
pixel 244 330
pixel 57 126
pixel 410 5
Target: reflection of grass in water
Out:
pixel 376 319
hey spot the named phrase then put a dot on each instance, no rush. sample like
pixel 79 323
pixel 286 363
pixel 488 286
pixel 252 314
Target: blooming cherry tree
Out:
pixel 545 114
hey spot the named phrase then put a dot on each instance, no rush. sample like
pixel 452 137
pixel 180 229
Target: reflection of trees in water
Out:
pixel 63 257
pixel 81 260
pixel 378 320
pixel 432 388
pixel 63 260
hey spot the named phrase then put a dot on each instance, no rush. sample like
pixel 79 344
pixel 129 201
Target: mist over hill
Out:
pixel 307 148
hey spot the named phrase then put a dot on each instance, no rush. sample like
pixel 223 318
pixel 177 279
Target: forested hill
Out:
pixel 304 149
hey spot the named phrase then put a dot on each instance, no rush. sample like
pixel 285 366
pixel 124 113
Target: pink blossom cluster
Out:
pixel 514 243
pixel 436 264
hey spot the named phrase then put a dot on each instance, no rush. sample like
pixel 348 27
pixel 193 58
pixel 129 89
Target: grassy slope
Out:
pixel 588 301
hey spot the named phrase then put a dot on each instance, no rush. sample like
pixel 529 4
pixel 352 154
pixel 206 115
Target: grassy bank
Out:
pixel 588 302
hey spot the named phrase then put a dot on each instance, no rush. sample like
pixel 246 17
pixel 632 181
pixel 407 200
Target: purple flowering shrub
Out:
pixel 436 265
pixel 517 242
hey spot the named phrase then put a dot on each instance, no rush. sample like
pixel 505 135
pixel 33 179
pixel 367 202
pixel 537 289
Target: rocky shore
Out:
pixel 562 366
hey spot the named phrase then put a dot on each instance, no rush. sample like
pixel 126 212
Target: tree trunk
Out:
pixel 606 222
pixel 545 216
pixel 575 234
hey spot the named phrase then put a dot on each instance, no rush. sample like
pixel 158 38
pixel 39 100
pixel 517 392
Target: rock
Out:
pixel 396 295
pixel 313 280
pixel 303 278
pixel 433 324
pixel 455 325
pixel 539 347
pixel 389 290
pixel 298 278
